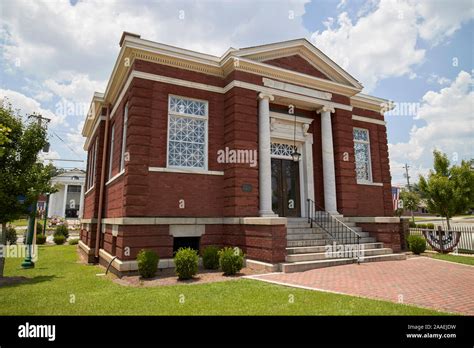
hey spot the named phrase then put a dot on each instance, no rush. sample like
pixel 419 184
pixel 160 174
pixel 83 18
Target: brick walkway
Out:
pixel 419 281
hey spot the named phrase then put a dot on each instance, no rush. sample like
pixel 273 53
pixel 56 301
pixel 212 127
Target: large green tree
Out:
pixel 448 190
pixel 21 174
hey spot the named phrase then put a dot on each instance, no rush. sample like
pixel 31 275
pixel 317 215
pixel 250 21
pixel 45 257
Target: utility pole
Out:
pixel 40 119
pixel 409 187
pixel 31 231
pixel 407 176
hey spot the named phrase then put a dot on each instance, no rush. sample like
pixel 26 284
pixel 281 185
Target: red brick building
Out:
pixel 186 148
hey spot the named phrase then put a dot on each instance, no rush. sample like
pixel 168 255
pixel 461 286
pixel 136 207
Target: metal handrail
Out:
pixel 338 231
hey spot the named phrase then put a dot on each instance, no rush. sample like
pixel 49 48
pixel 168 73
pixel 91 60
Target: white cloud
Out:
pixel 75 87
pixel 75 138
pixel 45 157
pixel 379 45
pixel 449 126
pixel 438 79
pixel 383 41
pixel 28 106
pixel 441 19
pixel 84 38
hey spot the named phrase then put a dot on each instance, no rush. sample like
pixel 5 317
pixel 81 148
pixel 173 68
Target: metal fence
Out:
pixel 466 241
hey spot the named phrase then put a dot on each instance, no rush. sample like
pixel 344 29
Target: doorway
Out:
pixel 285 188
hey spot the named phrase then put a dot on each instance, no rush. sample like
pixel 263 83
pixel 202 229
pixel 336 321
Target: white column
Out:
pixel 264 159
pixel 329 174
pixel 307 170
pixel 81 203
pixel 63 213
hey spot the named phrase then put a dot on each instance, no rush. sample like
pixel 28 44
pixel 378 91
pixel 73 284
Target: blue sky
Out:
pixel 418 54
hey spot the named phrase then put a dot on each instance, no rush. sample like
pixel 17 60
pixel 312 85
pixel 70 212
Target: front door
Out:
pixel 285 188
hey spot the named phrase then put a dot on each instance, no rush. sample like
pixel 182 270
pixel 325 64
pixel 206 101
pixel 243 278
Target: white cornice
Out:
pixel 310 100
pixel 369 102
pixel 134 47
pixel 368 120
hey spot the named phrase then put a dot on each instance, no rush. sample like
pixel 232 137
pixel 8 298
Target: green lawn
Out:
pixel 454 258
pixel 20 222
pixel 58 277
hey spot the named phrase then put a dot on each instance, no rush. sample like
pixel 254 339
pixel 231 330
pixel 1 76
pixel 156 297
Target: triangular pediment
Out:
pixel 297 63
pixel 299 56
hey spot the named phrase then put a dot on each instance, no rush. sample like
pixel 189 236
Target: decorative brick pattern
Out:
pixel 415 281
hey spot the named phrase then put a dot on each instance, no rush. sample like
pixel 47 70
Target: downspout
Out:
pixel 102 185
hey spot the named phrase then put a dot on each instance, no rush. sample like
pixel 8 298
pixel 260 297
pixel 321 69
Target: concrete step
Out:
pixel 305 243
pixel 308 265
pixel 321 249
pixel 324 256
pixel 355 228
pixel 305 236
pixel 297 223
pixel 367 240
pixel 294 230
pixel 386 257
pixel 349 234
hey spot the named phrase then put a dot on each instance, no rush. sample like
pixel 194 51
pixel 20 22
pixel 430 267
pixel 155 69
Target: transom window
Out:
pixel 362 155
pixel 187 132
pixel 282 150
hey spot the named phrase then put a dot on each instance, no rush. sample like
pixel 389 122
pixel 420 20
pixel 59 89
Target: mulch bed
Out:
pixel 168 277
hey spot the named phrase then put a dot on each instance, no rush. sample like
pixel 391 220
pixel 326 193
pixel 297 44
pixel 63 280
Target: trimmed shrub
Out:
pixel 59 239
pixel 11 235
pixel 417 244
pixel 210 257
pixel 231 260
pixel 147 263
pixel 186 263
pixel 412 224
pixel 73 241
pixel 431 226
pixel 40 239
pixel 62 230
pixel 39 228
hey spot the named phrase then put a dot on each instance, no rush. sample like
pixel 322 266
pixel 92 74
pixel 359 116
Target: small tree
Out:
pixel 20 172
pixel 411 200
pixel 448 191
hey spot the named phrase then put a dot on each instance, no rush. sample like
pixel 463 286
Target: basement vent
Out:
pixel 186 242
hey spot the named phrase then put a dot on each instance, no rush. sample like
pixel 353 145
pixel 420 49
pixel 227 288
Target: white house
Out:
pixel 68 201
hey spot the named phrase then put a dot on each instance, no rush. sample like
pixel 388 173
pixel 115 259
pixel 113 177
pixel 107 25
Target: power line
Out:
pixel 70 148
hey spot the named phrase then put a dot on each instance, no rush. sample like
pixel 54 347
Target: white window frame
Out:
pixel 206 134
pixel 92 158
pixel 111 152
pixel 89 165
pixel 94 163
pixel 370 180
pixel 124 137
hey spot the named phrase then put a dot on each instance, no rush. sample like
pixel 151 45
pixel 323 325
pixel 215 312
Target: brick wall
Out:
pixel 297 63
pixel 91 199
pixel 133 238
pixel 346 186
pixel 392 235
pixel 240 132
